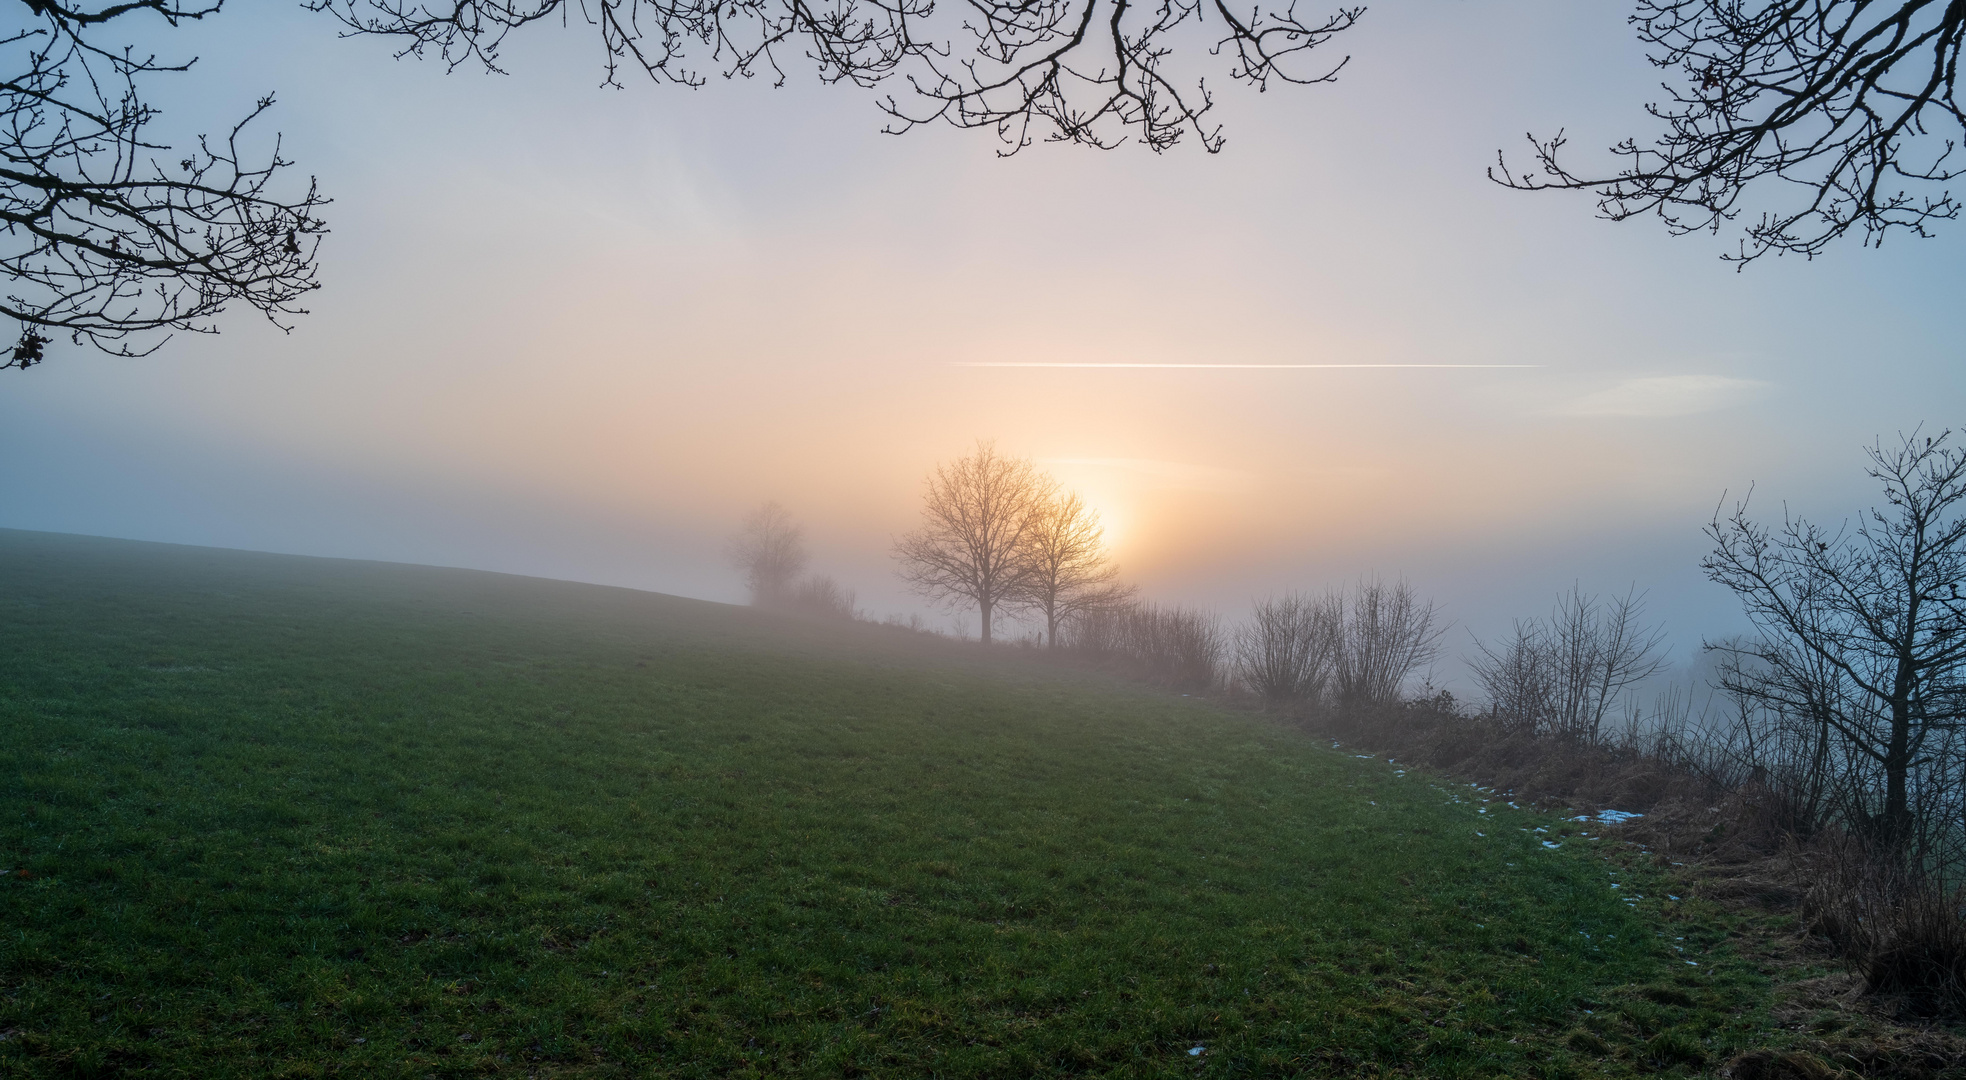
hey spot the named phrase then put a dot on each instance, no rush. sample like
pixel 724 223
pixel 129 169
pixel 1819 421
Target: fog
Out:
pixel 578 333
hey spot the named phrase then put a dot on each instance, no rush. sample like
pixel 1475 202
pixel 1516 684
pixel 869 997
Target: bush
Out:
pixel 820 596
pixel 1287 652
pixel 1169 646
pixel 1388 634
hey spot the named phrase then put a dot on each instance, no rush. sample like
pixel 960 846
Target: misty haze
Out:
pixel 661 538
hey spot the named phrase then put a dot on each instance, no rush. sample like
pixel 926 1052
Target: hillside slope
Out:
pixel 266 815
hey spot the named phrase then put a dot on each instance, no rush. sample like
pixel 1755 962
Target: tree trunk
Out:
pixel 1897 801
pixel 1897 769
pixel 984 606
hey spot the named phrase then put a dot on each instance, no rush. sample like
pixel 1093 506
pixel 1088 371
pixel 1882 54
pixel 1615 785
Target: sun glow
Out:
pixel 1100 494
pixel 1112 525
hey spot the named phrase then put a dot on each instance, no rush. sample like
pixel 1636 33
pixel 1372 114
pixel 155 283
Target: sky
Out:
pixel 579 332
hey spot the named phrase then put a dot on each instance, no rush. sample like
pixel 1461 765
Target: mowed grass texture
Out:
pixel 270 816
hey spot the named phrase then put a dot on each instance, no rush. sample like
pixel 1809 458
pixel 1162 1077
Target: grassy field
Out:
pixel 270 816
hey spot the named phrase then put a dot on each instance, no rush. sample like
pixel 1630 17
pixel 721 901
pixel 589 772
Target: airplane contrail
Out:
pixel 1226 367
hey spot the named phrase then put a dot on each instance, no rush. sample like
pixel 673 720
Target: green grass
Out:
pixel 268 816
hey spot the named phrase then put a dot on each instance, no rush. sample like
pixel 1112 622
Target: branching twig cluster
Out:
pixel 1859 667
pixel 1355 648
pixel 1844 112
pixel 1564 676
pixel 1083 71
pixel 110 236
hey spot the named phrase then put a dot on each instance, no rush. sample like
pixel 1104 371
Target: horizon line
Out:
pixel 1226 367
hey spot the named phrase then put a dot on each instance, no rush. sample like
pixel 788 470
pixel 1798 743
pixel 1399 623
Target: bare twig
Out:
pixel 115 239
pixel 1094 72
pixel 1844 113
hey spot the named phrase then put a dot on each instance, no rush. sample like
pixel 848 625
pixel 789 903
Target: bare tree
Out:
pixel 771 551
pixel 112 237
pixel 1565 676
pixel 1389 634
pixel 1848 108
pixel 117 238
pixel 1286 653
pixel 1862 633
pixel 978 513
pixel 1085 71
pixel 1069 572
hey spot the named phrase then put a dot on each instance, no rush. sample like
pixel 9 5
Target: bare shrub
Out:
pixel 1388 634
pixel 1098 635
pixel 1170 646
pixel 1176 647
pixel 1184 648
pixel 820 596
pixel 1600 650
pixel 1902 935
pixel 912 622
pixel 1286 653
pixel 1566 675
pixel 1515 677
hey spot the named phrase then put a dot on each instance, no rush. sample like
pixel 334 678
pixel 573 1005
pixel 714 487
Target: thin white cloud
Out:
pixel 1665 395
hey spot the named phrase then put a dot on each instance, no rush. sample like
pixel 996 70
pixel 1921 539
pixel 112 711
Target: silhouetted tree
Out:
pixel 1068 570
pixel 977 517
pixel 771 551
pixel 1083 71
pixel 1862 634
pixel 113 238
pixel 1844 112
